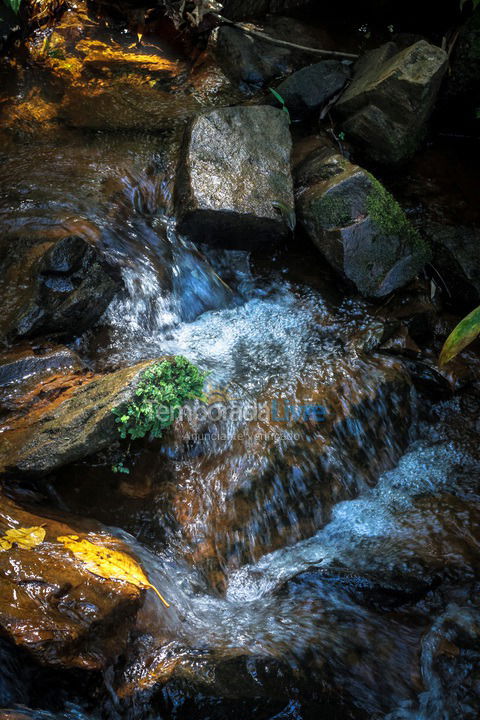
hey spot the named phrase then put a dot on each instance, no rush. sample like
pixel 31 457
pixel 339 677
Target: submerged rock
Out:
pixel 72 421
pixel 52 606
pixel 310 89
pixel 104 79
pixel 234 185
pixel 66 283
pixel 390 98
pixel 356 224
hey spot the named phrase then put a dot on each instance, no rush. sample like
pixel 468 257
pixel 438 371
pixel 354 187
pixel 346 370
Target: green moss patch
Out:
pixel 390 219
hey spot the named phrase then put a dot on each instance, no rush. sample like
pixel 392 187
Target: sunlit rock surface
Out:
pixel 71 421
pixel 52 606
pixel 99 76
pixel 234 186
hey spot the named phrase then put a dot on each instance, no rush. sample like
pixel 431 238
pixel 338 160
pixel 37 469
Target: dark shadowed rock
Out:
pixel 310 88
pixel 66 282
pixel 234 185
pixel 255 62
pixel 391 96
pixel 356 224
pixel 52 606
pixel 70 422
pixel 462 82
pixel 456 256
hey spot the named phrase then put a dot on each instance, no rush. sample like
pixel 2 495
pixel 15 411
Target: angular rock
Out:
pixel 310 89
pixel 391 96
pixel 66 282
pixel 52 606
pixel 456 256
pixel 356 224
pixel 234 185
pixel 73 421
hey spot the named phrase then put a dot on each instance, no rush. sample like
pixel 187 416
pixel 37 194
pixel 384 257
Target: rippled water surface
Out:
pixel 315 568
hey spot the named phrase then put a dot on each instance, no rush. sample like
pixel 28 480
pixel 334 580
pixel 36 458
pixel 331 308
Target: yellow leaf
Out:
pixel 25 538
pixel 107 563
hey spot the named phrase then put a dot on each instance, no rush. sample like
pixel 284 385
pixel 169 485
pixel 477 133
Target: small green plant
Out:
pixel 164 388
pixel 120 468
pixel 281 100
pixel 462 335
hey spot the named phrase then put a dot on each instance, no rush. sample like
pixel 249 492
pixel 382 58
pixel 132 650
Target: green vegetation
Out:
pixel 281 100
pixel 13 5
pixel 333 210
pixel 164 388
pixel 462 335
pixel 389 217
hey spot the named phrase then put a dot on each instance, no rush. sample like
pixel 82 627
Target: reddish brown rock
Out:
pixel 53 606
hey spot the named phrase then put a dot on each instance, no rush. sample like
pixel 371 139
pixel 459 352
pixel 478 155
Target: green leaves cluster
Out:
pixel 164 388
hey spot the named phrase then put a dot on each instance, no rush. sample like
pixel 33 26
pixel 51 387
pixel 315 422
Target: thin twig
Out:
pixel 285 43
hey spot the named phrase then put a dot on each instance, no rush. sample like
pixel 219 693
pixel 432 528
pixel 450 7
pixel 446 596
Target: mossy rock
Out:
pixel 361 229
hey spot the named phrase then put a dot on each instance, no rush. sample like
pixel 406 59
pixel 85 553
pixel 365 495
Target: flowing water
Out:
pixel 316 531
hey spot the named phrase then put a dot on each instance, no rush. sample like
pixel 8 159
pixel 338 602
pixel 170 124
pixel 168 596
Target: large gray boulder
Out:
pixel 234 186
pixel 391 96
pixel 356 224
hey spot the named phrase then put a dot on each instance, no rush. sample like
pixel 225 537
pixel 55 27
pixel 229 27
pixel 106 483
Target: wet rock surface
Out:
pixel 98 75
pixel 67 283
pixel 234 177
pixel 386 106
pixel 74 421
pixel 52 606
pixel 357 226
pixel 28 363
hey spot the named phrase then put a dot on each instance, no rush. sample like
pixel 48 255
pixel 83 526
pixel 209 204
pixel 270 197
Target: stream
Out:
pixel 315 526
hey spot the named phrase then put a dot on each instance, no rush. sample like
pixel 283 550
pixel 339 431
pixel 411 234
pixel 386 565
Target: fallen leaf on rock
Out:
pixel 107 563
pixel 25 538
